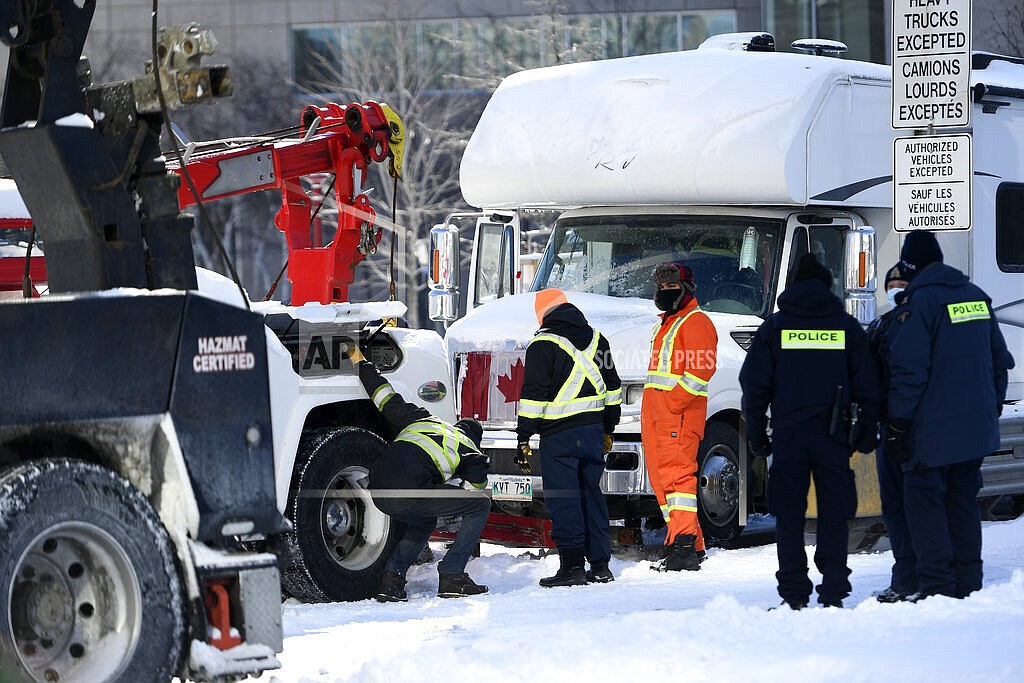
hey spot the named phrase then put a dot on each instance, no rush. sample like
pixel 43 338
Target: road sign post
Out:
pixel 933 182
pixel 931 63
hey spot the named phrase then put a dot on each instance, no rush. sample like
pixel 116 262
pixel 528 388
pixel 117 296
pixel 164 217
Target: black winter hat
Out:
pixel 897 272
pixel 471 428
pixel 810 269
pixel 674 273
pixel 920 248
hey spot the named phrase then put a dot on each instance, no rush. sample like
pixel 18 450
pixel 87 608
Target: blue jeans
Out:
pixel 420 516
pixel 571 469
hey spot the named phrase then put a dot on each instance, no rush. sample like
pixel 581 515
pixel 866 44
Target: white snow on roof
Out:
pixel 11 204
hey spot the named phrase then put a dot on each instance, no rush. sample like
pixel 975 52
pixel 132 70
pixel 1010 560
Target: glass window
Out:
pixel 652 33
pixel 1010 227
pixel 435 51
pixel 826 243
pixel 493 274
pixel 733 259
pixel 316 56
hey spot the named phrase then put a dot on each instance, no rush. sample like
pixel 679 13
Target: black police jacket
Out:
pixel 548 366
pixel 880 333
pixel 798 358
pixel 405 465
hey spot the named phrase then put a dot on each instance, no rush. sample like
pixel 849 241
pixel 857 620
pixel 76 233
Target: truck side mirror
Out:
pixel 443 299
pixel 860 281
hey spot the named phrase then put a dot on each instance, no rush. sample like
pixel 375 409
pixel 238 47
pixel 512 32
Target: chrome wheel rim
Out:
pixel 353 529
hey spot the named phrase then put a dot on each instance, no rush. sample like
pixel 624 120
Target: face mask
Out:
pixel 665 299
pixel 891 295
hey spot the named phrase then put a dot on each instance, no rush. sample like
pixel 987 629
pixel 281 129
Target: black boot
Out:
pixel 600 573
pixel 571 572
pixel 392 588
pixel 682 554
pixel 457 586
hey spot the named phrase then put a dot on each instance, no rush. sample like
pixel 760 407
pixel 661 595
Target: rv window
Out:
pixel 825 242
pixel 1010 227
pixel 493 279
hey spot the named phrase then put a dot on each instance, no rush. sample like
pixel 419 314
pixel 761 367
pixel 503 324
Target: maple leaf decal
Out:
pixel 510 384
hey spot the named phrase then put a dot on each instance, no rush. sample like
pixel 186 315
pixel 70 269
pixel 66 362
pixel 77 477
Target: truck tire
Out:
pixel 718 483
pixel 340 541
pixel 90 591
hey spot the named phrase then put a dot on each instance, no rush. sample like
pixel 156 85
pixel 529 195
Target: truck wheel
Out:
pixel 718 482
pixel 341 541
pixel 90 591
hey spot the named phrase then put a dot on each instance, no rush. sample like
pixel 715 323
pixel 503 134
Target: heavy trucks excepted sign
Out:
pixel 933 183
pixel 931 63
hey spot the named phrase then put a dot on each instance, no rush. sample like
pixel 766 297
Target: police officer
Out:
pixel 949 370
pixel 903 582
pixel 571 396
pixel 408 482
pixel 808 362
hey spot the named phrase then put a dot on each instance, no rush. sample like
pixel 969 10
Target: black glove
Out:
pixel 867 442
pixel 760 447
pixel 522 459
pixel 895 441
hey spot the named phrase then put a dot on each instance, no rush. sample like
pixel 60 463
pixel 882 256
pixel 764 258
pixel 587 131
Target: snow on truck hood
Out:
pixel 628 323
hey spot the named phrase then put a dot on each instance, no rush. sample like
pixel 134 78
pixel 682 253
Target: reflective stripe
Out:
pixel 687 502
pixel 695 385
pixel 567 401
pixel 382 395
pixel 664 513
pixel 445 454
pixel 827 340
pixel 661 377
pixel 968 311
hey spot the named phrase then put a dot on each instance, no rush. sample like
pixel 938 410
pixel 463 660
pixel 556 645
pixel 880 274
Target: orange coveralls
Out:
pixel 673 412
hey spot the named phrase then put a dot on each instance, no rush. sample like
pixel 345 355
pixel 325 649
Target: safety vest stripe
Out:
pixel 664 513
pixel 567 401
pixel 661 377
pixel 967 311
pixel 614 397
pixel 686 502
pixel 693 384
pixel 382 395
pixel 828 340
pixel 445 455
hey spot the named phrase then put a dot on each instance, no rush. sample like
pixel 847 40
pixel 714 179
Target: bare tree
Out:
pixel 1007 26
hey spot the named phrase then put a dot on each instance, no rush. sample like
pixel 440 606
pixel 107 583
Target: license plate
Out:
pixel 510 487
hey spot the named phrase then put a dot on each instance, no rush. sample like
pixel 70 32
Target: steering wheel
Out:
pixel 739 290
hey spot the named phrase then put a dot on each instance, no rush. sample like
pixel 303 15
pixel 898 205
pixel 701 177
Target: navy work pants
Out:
pixel 798 453
pixel 890 489
pixel 945 523
pixel 420 516
pixel 571 469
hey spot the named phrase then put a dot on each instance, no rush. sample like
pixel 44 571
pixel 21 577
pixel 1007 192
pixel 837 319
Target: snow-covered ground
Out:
pixel 712 625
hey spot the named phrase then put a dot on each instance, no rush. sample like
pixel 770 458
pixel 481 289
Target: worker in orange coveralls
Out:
pixel 674 408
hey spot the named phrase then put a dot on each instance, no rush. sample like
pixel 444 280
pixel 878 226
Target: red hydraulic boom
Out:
pixel 338 139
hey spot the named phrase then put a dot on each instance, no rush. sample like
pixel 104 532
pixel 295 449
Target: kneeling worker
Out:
pixel 408 483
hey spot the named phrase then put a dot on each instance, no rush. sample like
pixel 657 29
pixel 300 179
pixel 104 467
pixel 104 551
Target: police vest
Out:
pixel 440 440
pixel 661 377
pixel 567 401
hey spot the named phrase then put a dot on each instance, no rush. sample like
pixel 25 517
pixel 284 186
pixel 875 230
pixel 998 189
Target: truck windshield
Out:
pixel 734 260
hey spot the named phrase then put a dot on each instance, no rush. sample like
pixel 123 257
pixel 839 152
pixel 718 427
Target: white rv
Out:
pixel 738 162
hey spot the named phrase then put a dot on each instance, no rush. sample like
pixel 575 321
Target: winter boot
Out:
pixel 572 570
pixel 392 589
pixel 600 573
pixel 457 586
pixel 682 555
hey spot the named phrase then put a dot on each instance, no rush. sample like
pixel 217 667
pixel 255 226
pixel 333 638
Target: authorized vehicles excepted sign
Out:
pixel 931 63
pixel 933 182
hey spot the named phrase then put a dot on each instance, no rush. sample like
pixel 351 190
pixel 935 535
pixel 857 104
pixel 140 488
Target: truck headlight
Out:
pixel 633 393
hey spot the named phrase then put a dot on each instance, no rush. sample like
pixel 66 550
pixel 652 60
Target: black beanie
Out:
pixel 810 269
pixel 920 248
pixel 472 429
pixel 897 272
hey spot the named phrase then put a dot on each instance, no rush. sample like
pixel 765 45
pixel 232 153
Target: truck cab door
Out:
pixel 844 245
pixel 494 270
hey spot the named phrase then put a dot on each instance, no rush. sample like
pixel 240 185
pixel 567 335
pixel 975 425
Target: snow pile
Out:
pixel 712 625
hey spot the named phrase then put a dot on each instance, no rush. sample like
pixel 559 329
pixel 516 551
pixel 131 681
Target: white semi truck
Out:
pixel 738 162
